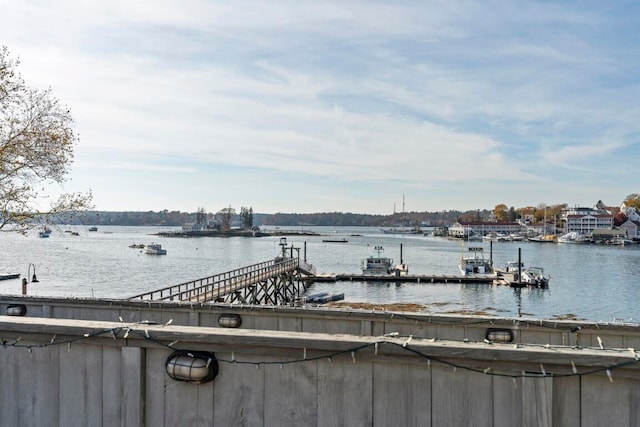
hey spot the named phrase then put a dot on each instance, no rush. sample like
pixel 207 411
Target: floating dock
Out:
pixel 347 277
pixel 502 279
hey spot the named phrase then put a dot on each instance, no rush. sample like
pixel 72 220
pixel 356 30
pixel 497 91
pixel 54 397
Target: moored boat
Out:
pixel 377 264
pixel 534 276
pixel 155 249
pixel 574 237
pixel 476 264
pixel 544 238
pixel 341 240
pixel 514 267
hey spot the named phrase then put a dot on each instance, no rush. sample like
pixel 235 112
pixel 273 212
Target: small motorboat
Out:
pixel 155 249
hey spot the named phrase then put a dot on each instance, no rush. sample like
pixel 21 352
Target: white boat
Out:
pixel 574 237
pixel 377 264
pixel 513 267
pixel 402 230
pixel 544 238
pixel 534 276
pixel 496 237
pixel 45 232
pixel 155 249
pixel 476 264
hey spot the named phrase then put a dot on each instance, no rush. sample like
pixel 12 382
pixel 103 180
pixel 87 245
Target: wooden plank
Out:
pixel 606 403
pixel 111 385
pixel 217 338
pixel 205 404
pixel 566 402
pixel 73 378
pixel 401 394
pixel 37 392
pixel 156 380
pixel 11 359
pixel 181 403
pixel 345 392
pixel 290 394
pixel 462 398
pixel 239 392
pixel 133 381
pixel 508 401
pixel 93 384
pixel 289 323
pixel 537 402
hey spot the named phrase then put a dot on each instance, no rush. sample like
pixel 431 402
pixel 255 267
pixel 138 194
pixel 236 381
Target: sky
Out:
pixel 349 106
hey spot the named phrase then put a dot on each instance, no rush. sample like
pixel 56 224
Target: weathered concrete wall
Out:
pixel 69 372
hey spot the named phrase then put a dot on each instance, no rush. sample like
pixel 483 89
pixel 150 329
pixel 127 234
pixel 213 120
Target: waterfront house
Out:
pixel 584 220
pixel 631 229
pixel 463 229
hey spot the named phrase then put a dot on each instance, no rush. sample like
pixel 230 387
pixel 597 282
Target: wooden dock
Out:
pixel 501 279
pixel 349 277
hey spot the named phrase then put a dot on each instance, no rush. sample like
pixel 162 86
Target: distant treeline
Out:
pixel 335 219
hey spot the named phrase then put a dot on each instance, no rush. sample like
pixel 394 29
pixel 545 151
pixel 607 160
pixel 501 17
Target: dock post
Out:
pixel 491 252
pixel 520 266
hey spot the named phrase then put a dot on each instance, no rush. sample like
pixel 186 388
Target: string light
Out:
pixel 144 333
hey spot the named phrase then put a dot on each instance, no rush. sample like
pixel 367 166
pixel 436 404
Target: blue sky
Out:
pixel 289 106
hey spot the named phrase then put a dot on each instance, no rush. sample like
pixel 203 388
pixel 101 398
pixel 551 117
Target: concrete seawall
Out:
pixel 73 362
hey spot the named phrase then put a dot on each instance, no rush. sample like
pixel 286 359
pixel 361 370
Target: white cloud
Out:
pixel 360 94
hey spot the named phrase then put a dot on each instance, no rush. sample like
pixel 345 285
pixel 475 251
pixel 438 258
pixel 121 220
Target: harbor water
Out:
pixel 588 282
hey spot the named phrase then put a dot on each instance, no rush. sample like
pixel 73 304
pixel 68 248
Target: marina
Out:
pixel 592 282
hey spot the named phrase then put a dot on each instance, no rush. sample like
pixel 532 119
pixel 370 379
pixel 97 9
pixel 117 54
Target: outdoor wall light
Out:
pixel 230 320
pixel 16 310
pixel 192 366
pixel 499 335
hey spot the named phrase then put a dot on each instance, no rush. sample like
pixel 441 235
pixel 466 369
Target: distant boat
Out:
pixel 574 237
pixel 45 232
pixel 93 228
pixel 343 240
pixel 155 249
pixel 403 230
pixel 544 238
pixel 9 276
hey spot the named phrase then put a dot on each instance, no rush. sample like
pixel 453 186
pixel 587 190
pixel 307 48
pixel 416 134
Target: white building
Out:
pixel 463 229
pixel 584 220
pixel 631 229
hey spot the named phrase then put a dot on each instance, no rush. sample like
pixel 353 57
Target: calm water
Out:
pixel 591 282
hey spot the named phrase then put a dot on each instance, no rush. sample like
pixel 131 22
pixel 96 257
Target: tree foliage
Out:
pixel 501 212
pixel 246 215
pixel 226 216
pixel 633 201
pixel 36 149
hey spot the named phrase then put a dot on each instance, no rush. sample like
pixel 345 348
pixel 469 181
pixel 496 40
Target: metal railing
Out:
pixel 216 286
